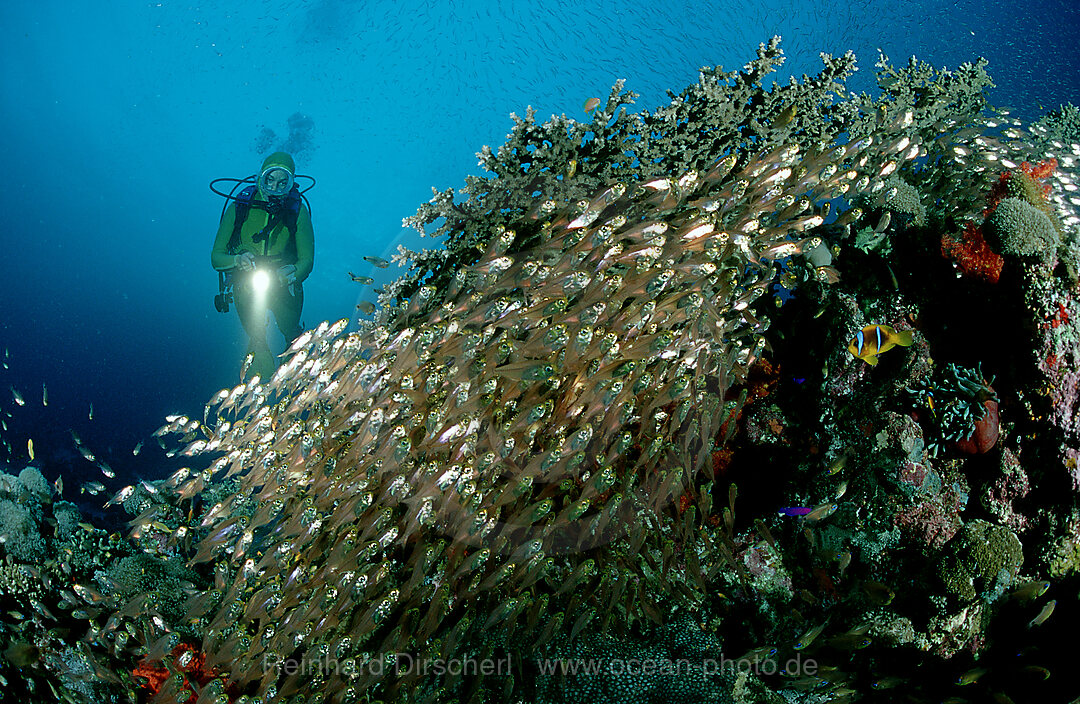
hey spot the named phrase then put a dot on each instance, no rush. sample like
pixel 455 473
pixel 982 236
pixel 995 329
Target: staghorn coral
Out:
pixel 947 107
pixel 939 98
pixel 565 160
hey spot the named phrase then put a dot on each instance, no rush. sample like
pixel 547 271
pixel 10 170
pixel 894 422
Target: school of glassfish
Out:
pixel 558 401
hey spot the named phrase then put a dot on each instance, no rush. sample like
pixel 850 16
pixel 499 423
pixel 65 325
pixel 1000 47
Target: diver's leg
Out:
pixel 287 306
pixel 253 318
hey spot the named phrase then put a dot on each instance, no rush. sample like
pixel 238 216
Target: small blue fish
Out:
pixel 808 513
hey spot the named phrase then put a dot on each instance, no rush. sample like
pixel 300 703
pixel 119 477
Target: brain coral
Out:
pixel 981 561
pixel 1018 228
pixel 905 201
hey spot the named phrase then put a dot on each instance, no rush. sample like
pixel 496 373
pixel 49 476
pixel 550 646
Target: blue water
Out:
pixel 117 115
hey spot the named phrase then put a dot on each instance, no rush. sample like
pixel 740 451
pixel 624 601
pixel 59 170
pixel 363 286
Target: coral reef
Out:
pixel 610 443
pixel 982 561
pixel 163 582
pixel 1020 220
pixel 22 539
pixel 181 675
pixel 524 422
pixel 61 633
pixel 523 453
pixel 666 667
pixel 1061 126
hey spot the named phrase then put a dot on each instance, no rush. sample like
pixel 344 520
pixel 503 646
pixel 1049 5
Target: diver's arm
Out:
pixel 220 258
pixel 305 245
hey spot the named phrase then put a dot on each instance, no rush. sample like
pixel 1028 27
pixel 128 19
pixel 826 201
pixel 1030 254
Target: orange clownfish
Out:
pixel 872 340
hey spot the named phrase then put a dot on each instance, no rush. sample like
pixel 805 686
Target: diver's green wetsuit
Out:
pixel 279 250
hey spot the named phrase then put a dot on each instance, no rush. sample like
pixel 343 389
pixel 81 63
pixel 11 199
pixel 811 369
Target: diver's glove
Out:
pixel 287 274
pixel 245 261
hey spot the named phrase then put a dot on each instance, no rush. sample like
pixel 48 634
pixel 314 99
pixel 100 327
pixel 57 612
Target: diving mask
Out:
pixel 275 181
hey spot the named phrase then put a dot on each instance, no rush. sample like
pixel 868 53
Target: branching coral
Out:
pixel 1061 125
pixel 565 160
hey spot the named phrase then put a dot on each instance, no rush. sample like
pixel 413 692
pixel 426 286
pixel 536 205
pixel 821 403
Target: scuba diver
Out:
pixel 263 252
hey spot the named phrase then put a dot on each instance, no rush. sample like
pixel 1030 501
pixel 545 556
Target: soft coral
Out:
pixel 192 667
pixel 972 254
pixel 1032 174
